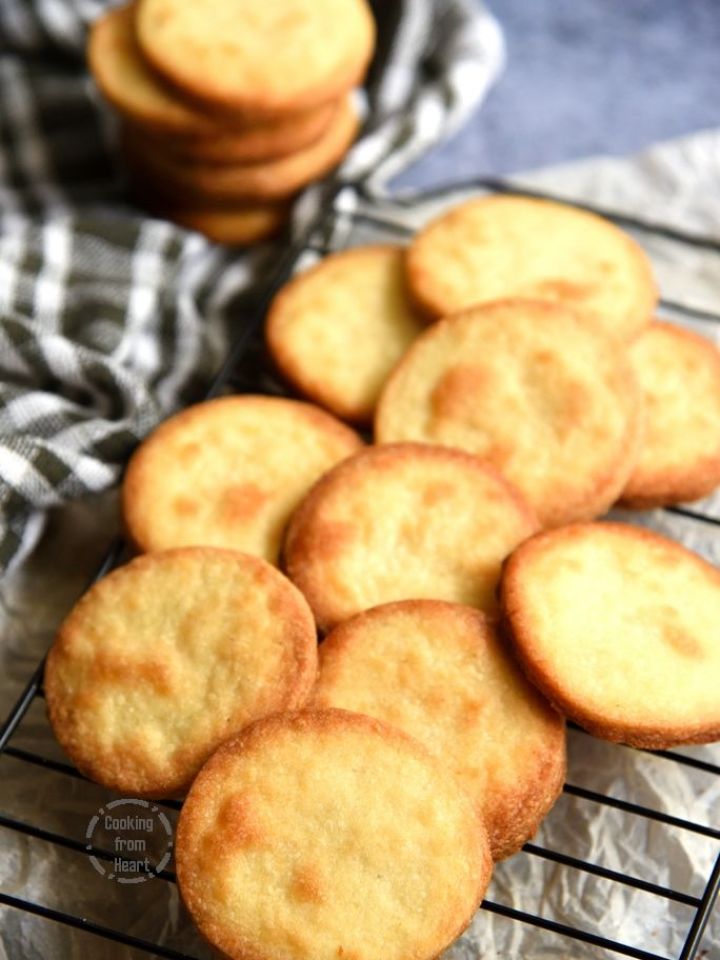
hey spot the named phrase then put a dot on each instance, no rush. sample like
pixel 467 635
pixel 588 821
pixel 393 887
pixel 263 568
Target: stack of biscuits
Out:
pixel 348 800
pixel 229 109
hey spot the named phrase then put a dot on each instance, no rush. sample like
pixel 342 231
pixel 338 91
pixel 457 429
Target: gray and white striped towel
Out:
pixel 109 320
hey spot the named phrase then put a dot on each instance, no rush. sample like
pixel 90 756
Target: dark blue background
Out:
pixel 586 77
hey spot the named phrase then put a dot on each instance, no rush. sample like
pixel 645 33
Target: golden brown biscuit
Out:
pixel 128 83
pixel 165 658
pixel 404 521
pixel 326 835
pixel 229 473
pixel 618 627
pixel 679 458
pixel 197 183
pixel 260 57
pixel 529 386
pixel 136 91
pixel 439 672
pixel 504 246
pixel 249 143
pixel 336 330
pixel 234 226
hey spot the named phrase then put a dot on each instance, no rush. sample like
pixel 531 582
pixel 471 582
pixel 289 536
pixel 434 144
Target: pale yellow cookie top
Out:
pixel 440 672
pixel 229 473
pixel 337 329
pixel 263 57
pixel 530 387
pixel 619 627
pixel 168 656
pixel 507 246
pixel 679 458
pixel 326 835
pixel 404 521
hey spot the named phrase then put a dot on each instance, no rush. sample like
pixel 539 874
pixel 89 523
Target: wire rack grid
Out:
pixel 245 370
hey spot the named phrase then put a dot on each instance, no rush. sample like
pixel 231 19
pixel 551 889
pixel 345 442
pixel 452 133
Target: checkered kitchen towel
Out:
pixel 110 320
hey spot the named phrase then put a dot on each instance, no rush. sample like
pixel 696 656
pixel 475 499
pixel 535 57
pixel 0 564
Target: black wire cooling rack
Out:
pixel 245 370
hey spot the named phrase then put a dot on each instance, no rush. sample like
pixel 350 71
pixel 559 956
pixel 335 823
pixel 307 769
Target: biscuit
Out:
pixel 136 92
pixel 326 835
pixel 234 226
pixel 439 672
pixel 188 182
pixel 529 386
pixel 165 658
pixel 229 472
pixel 679 458
pixel 403 521
pixel 504 246
pixel 261 57
pixel 336 330
pixel 618 627
pixel 248 144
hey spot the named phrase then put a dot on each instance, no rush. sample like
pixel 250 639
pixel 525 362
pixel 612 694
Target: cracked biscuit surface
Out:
pixel 229 473
pixel 326 835
pixel 495 247
pixel 165 658
pixel 404 521
pixel 529 386
pixel 440 672
pixel 618 627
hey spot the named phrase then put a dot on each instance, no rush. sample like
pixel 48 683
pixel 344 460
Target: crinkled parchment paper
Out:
pixel 675 184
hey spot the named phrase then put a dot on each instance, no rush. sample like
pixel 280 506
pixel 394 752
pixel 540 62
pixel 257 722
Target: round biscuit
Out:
pixel 229 473
pixel 679 376
pixel 323 835
pixel 165 658
pixel 336 330
pixel 259 57
pixel 508 246
pixel 403 521
pixel 233 226
pixel 195 182
pixel 617 626
pixel 440 672
pixel 530 387
pixel 249 144
pixel 139 95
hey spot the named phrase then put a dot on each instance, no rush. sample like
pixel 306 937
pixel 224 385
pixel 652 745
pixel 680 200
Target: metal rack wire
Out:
pixel 244 370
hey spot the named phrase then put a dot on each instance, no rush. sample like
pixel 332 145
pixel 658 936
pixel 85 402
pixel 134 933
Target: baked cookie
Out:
pixel 187 182
pixel 439 672
pixel 165 658
pixel 618 627
pixel 404 521
pixel 326 835
pixel 229 472
pixel 248 144
pixel 128 83
pixel 259 57
pixel 506 246
pixel 234 226
pixel 336 330
pixel 531 387
pixel 679 376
